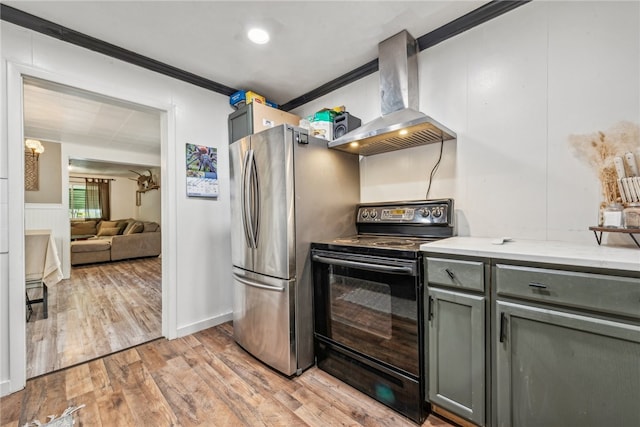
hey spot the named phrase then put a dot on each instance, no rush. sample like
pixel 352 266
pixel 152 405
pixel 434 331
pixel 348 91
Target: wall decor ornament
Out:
pixel 600 149
pixel 30 172
pixel 33 149
pixel 145 183
pixel 202 171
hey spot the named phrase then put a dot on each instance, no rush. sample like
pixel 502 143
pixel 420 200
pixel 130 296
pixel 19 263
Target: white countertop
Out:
pixel 552 252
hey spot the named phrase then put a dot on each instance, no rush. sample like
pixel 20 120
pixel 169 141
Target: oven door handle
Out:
pixel 365 265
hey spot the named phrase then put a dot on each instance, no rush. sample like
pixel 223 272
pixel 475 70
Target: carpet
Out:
pixel 64 420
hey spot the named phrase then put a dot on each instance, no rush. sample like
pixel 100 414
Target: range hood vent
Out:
pixel 401 124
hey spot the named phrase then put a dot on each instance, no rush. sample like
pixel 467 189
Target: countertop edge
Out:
pixel 549 252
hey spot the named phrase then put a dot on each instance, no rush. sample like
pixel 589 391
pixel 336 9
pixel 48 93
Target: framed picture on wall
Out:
pixel 202 171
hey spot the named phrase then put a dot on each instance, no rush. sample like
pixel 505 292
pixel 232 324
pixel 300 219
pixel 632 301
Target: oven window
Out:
pixel 373 313
pixel 360 304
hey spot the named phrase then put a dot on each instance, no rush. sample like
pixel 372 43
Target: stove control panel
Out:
pixel 424 213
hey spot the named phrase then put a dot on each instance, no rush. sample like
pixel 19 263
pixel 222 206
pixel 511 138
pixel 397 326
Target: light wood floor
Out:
pixel 204 379
pixel 100 309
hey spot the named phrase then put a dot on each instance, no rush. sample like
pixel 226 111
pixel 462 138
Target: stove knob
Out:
pixel 365 214
pixel 374 214
pixel 424 212
pixel 437 213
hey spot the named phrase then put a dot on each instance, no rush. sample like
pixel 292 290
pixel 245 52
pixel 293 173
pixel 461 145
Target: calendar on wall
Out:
pixel 202 171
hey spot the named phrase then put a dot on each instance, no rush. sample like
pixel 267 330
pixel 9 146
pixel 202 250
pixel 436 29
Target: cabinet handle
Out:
pixel 430 309
pixel 450 273
pixel 537 285
pixel 503 326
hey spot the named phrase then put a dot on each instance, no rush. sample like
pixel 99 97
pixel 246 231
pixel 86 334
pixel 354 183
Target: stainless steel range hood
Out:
pixel 401 124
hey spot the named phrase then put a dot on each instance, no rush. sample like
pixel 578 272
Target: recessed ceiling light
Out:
pixel 258 35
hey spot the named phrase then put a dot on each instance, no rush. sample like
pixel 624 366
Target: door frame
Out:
pixel 15 134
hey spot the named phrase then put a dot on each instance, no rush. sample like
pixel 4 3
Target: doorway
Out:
pixel 105 307
pixel 35 216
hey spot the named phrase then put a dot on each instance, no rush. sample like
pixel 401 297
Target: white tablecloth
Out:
pixel 41 257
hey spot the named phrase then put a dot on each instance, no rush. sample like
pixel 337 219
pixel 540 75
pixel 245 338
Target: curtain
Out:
pixel 97 198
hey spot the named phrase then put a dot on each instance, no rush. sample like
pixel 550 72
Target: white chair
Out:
pixel 35 257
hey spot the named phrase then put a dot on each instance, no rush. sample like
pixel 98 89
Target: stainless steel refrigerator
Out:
pixel 287 190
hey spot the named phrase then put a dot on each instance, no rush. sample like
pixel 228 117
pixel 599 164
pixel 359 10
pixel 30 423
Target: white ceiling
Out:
pixel 83 167
pixel 58 113
pixel 312 43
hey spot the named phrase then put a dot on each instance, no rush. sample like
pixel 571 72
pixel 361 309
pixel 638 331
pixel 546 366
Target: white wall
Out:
pixel 198 259
pixel 123 198
pixel 149 210
pixel 514 89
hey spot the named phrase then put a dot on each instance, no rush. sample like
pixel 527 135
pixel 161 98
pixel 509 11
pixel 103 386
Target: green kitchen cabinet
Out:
pixel 567 348
pixel 457 337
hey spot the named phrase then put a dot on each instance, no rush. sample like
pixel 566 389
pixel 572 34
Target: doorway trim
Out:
pixel 15 136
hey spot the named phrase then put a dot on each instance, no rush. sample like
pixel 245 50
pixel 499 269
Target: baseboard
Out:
pixel 204 324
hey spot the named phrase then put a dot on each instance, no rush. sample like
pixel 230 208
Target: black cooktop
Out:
pixel 382 246
pixel 396 228
pixel 383 242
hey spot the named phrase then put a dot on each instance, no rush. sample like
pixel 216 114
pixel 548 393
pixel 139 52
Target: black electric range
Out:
pixel 369 298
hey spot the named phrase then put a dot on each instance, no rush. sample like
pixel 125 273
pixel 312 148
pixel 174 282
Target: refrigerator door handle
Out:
pixel 246 215
pixel 255 201
pixel 257 285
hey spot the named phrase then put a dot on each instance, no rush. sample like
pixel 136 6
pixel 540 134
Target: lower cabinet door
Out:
pixel 562 369
pixel 456 353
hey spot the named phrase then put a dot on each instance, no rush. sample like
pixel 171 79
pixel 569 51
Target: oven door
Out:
pixel 370 305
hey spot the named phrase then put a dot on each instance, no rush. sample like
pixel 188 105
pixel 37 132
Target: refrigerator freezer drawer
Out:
pixel 263 318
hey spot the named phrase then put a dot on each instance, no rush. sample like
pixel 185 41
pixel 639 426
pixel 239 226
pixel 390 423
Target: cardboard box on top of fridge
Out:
pixel 241 98
pixel 322 129
pixel 327 114
pixel 265 117
pixel 321 122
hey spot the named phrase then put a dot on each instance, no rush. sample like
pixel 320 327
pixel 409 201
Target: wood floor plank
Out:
pixel 99 376
pixel 101 309
pixel 114 410
pixel 255 404
pixel 239 396
pixel 192 399
pixel 143 394
pixel 315 410
pixel 153 356
pixel 10 408
pixel 89 415
pixel 204 379
pixel 78 381
pixel 118 368
pixel 50 393
pixel 259 375
pixel 213 407
pixel 343 398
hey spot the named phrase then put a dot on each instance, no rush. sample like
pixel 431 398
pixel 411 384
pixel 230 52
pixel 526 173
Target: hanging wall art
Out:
pixel 202 171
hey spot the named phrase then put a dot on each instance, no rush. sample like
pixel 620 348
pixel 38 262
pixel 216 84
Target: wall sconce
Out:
pixel 33 150
pixel 35 146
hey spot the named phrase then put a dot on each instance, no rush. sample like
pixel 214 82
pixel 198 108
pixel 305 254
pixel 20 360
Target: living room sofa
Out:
pixel 103 241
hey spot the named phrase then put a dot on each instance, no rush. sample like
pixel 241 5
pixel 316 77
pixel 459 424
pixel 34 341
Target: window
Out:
pixel 77 202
